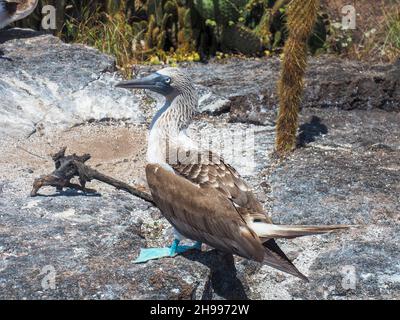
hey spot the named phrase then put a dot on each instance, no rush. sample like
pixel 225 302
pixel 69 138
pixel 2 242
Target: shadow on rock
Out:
pixel 2 57
pixel 309 131
pixel 224 282
pixel 16 33
pixel 70 193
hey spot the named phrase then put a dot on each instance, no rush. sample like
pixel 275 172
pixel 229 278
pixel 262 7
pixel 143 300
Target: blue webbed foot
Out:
pixel 153 254
pixel 158 253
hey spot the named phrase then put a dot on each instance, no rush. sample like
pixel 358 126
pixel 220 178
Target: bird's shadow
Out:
pixel 309 131
pixel 70 193
pixel 224 281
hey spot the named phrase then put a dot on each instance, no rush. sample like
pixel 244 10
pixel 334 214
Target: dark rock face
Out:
pixel 352 85
pixel 250 86
pixel 66 85
pixel 69 245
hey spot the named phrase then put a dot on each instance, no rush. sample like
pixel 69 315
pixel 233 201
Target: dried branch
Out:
pixel 68 167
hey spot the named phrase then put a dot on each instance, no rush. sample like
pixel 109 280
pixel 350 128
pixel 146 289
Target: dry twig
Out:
pixel 68 167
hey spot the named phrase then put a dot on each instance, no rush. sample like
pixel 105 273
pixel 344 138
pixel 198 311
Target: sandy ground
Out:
pixel 117 150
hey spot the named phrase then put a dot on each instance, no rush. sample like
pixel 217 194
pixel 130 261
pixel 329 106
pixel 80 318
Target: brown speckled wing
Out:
pixel 209 171
pixel 202 214
pixel 207 201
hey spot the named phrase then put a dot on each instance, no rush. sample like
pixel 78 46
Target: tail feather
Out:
pixel 268 231
pixel 276 258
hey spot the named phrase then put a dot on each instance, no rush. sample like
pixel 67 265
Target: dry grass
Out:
pixel 391 45
pixel 115 34
pixel 381 43
pixel 110 33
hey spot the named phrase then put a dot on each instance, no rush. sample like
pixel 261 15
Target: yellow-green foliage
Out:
pixel 392 40
pixel 301 16
pixel 115 34
pixel 112 34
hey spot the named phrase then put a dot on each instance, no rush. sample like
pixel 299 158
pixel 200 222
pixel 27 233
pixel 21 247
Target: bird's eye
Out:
pixel 168 80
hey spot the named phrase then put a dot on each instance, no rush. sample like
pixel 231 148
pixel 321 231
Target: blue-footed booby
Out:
pixel 13 10
pixel 204 198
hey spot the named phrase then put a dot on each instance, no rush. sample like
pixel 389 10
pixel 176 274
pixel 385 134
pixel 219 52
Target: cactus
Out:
pixel 168 25
pixel 226 20
pixel 241 39
pixel 178 26
pixel 262 30
pixel 222 11
pixel 185 34
pixel 301 17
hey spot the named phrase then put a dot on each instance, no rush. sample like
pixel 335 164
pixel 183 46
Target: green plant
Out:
pixel 169 31
pixel 377 40
pixel 234 25
pixel 110 33
pixel 392 39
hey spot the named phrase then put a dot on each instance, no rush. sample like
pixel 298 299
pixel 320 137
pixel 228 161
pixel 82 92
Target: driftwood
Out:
pixel 68 167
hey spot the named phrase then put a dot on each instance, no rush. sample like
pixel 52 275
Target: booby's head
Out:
pixel 169 82
pixel 180 97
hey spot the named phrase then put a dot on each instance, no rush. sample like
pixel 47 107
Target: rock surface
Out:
pixel 250 86
pixel 71 245
pixel 46 83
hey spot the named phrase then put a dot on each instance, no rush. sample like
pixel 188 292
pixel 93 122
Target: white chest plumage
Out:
pixel 163 146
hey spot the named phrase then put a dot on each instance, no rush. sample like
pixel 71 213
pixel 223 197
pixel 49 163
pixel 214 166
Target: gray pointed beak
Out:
pixel 149 82
pixel 154 82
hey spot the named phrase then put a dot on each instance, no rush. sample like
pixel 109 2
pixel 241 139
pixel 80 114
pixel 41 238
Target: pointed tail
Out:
pixel 268 231
pixel 276 258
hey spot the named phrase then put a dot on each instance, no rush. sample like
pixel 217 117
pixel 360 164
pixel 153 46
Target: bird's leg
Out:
pixel 197 245
pixel 174 247
pixel 158 253
pixel 148 254
pixel 181 249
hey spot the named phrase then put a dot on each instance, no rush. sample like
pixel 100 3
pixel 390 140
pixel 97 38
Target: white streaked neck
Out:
pixel 168 130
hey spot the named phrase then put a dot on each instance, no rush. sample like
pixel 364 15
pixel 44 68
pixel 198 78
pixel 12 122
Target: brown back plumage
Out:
pixel 26 5
pixel 215 206
pixel 11 11
pixel 209 171
pixel 208 217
